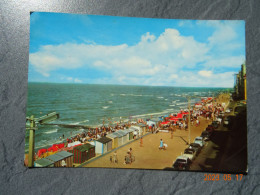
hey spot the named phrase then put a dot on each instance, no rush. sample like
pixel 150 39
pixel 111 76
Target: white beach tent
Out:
pixel 151 123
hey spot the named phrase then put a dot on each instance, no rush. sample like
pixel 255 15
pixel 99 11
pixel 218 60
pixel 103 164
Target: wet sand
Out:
pixel 149 156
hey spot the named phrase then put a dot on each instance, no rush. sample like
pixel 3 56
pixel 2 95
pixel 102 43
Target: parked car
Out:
pixel 227 110
pixel 200 141
pixel 190 153
pixel 210 128
pixel 182 163
pixel 195 147
pixel 219 120
pixel 227 121
pixel 206 135
pixel 221 114
pixel 215 124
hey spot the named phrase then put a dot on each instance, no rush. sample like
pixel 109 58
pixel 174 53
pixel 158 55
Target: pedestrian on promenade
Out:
pixel 141 142
pixel 115 157
pixel 172 134
pixel 197 122
pixel 161 144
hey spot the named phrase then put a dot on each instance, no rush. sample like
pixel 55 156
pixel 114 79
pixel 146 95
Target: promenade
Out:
pixel 149 156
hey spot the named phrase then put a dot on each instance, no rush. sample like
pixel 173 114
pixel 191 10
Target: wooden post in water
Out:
pixel 31 142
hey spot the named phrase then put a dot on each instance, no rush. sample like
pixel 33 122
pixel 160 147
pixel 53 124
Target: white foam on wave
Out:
pixel 160 97
pixel 51 131
pixel 149 114
pixel 183 103
pixel 172 105
pixel 105 107
pixel 76 123
pixel 110 102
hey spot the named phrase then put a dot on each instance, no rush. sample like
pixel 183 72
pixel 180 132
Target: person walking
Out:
pixel 161 144
pixel 115 157
pixel 141 142
pixel 172 134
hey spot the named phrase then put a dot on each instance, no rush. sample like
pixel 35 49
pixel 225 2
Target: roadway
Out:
pixel 226 151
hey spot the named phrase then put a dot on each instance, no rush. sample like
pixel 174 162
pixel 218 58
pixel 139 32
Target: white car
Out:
pixel 219 120
pixel 190 153
pixel 227 111
pixel 200 141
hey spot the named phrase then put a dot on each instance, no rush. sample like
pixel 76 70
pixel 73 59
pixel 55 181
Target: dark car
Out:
pixel 215 124
pixel 206 135
pixel 210 128
pixel 182 163
pixel 227 121
pixel 196 147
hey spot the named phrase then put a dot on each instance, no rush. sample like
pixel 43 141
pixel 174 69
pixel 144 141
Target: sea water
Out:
pixel 93 104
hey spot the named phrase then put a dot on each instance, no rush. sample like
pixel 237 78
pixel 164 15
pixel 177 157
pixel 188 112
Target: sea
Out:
pixel 96 104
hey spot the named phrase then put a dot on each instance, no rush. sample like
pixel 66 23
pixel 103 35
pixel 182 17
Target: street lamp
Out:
pixel 189 98
pixel 33 121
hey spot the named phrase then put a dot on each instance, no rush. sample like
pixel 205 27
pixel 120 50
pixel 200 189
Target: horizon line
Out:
pixel 124 85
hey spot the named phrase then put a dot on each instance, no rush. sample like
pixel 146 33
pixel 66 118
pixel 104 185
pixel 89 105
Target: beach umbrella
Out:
pixel 179 115
pixel 165 123
pixel 174 119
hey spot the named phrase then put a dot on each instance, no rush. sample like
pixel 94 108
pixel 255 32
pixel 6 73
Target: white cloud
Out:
pixel 69 78
pixel 192 79
pixel 154 60
pixel 76 80
pixel 205 73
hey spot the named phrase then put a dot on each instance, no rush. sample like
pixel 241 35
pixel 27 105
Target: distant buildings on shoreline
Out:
pixel 240 92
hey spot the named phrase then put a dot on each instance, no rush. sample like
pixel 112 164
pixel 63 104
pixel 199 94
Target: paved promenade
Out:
pixel 149 156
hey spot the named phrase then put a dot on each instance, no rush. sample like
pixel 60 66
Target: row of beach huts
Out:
pixel 77 153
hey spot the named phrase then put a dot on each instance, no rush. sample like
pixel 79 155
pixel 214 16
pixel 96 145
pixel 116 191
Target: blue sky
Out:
pixel 73 48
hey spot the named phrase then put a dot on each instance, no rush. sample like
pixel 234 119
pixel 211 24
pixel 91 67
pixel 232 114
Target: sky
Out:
pixel 74 48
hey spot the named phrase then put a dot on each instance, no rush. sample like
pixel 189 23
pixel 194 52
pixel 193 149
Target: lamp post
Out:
pixel 189 99
pixel 42 120
pixel 189 117
pixel 31 141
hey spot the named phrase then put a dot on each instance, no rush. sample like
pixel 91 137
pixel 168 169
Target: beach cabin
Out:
pixel 114 138
pixel 103 145
pixel 43 162
pixel 125 135
pixel 135 131
pixel 130 133
pixel 56 159
pixel 119 138
pixel 67 157
pixel 141 127
pixel 83 153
